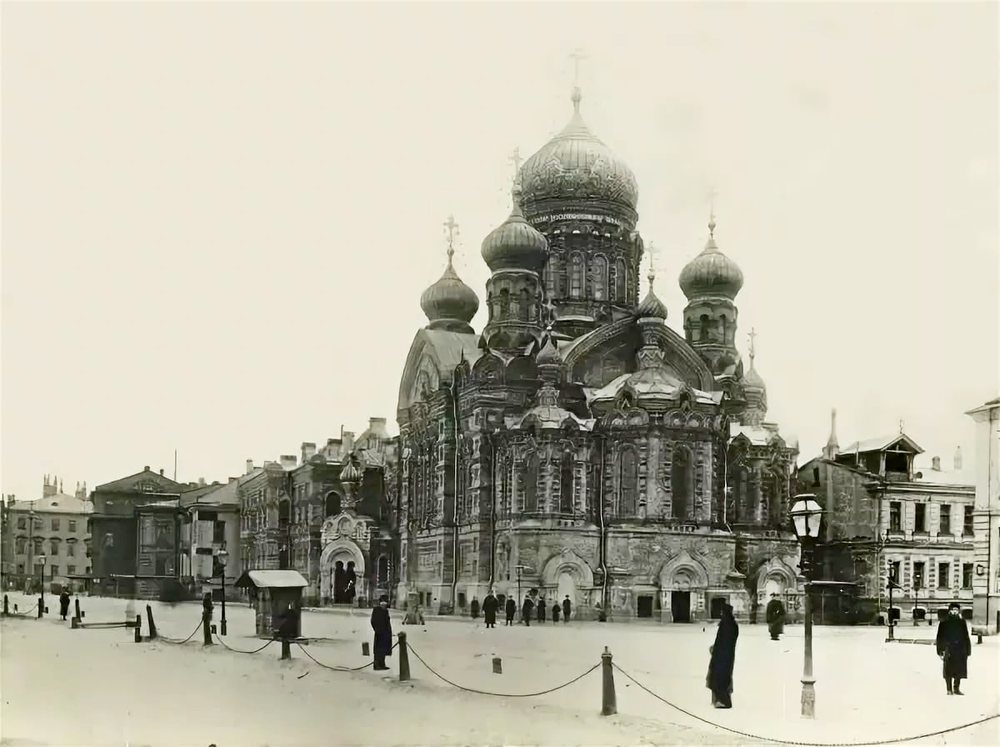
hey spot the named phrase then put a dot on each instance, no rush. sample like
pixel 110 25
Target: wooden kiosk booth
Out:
pixel 277 600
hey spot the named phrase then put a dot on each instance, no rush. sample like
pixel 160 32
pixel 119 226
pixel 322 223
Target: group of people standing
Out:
pixel 529 610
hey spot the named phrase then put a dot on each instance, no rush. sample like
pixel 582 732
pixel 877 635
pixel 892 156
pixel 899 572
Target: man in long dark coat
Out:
pixel 490 605
pixel 526 609
pixel 954 647
pixel 474 608
pixel 775 614
pixel 383 633
pixel 541 610
pixel 64 604
pixel 720 666
pixel 567 608
pixel 511 609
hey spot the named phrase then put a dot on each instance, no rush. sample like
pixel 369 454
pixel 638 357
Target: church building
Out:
pixel 578 445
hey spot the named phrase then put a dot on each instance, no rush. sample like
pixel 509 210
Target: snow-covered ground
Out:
pixel 99 687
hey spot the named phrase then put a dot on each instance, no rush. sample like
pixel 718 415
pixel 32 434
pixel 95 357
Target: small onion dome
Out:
pixel 752 379
pixel 711 273
pixel 515 243
pixel 449 299
pixel 575 164
pixel 349 472
pixel 548 355
pixel 651 306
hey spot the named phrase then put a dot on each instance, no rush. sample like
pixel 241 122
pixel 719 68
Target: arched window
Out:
pixel 531 482
pixel 566 484
pixel 550 277
pixel 740 478
pixel 621 279
pixel 504 303
pixel 471 504
pixel 628 482
pixel 705 328
pixel 332 503
pixel 775 504
pixel 722 326
pixel 600 279
pixel 576 276
pixel 681 483
pixel 525 305
pixel 382 572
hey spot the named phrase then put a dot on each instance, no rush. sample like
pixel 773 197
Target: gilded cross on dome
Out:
pixel 515 158
pixel 712 194
pixel 576 56
pixel 753 338
pixel 452 228
pixel 652 270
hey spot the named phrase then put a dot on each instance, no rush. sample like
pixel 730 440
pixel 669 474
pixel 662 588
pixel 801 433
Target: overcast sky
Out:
pixel 218 219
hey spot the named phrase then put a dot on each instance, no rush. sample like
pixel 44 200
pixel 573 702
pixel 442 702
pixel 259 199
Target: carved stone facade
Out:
pixel 587 449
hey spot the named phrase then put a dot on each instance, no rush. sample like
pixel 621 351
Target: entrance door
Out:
pixel 680 605
pixel 717 604
pixel 644 606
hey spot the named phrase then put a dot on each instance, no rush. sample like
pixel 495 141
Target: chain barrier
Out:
pixel 500 695
pixel 337 668
pixel 758 737
pixel 240 651
pixel 174 641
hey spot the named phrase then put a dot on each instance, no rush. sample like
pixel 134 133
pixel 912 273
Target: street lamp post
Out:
pixel 223 556
pixel 41 598
pixel 519 568
pixel 806 514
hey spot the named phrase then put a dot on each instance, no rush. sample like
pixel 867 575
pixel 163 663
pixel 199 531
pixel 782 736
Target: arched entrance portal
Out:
pixel 342 572
pixel 567 587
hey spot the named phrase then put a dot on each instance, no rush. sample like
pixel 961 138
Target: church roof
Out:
pixel 659 382
pixel 757 435
pixel 451 347
pixel 881 443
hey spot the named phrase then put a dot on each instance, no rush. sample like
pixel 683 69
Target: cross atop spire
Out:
pixel 577 55
pixel 452 228
pixel 515 158
pixel 712 194
pixel 652 269
pixel 900 426
pixel 753 339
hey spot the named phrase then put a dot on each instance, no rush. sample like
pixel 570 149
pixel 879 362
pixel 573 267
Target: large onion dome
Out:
pixel 515 243
pixel 575 164
pixel 449 303
pixel 711 273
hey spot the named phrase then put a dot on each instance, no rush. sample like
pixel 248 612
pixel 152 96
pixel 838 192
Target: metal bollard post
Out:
pixel 286 649
pixel 609 703
pixel 75 623
pixel 6 606
pixel 152 625
pixel 138 628
pixel 41 607
pixel 497 665
pixel 206 630
pixel 76 608
pixel 404 659
pixel 365 650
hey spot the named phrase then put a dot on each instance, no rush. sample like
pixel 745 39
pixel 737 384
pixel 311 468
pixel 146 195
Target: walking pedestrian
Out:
pixel 382 627
pixel 526 609
pixel 511 609
pixel 567 608
pixel 720 666
pixel 541 610
pixel 556 609
pixel 490 606
pixel 775 615
pixel 954 647
pixel 474 608
pixel 64 603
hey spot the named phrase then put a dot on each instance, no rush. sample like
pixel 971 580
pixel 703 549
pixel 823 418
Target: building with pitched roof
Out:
pixel 986 516
pixel 890 518
pixel 578 445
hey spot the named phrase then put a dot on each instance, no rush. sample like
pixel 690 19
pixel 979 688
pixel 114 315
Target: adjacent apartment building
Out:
pixel 986 516
pixel 887 519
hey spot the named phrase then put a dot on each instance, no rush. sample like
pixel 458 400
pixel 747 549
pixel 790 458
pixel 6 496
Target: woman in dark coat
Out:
pixel 541 610
pixel 490 605
pixel 775 614
pixel 474 608
pixel 954 647
pixel 720 666
pixel 64 604
pixel 526 609
pixel 383 633
pixel 556 609
pixel 510 609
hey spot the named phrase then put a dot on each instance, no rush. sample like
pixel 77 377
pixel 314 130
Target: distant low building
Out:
pixel 986 515
pixel 210 524
pixel 888 519
pixel 49 538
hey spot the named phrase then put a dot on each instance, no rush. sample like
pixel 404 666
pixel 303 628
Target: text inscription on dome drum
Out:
pixel 585 217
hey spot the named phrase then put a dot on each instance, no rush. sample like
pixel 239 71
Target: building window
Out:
pixel 944 525
pixel 681 474
pixel 967 521
pixel 628 482
pixel 88 570
pixel 53 547
pixel 55 571
pixel 600 279
pixel 38 524
pixel 20 569
pixel 71 570
pixel 621 280
pixel 219 532
pixel 920 517
pixel 966 575
pixel 894 572
pixel 71 549
pixel 22 545
pixel 531 482
pixel 918 575
pixel 566 484
pixel 55 525
pixel 944 571
pixel 576 276
pixel 72 525
pixel 895 516
pixel 22 523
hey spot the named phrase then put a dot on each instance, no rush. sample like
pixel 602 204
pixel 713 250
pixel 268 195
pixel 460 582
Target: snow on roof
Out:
pixel 879 443
pixel 58 503
pixel 277 579
pixel 965 476
pixel 758 435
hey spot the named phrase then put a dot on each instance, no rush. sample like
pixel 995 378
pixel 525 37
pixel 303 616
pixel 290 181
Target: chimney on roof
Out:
pixel 288 461
pixel 146 468
pixel 233 479
pixel 832 447
pixel 201 482
pixel 348 439
pixel 161 471
pixel 249 466
pixel 377 426
pixel 958 457
pixel 936 463
pixel 308 451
